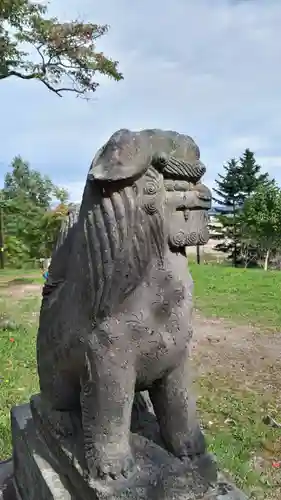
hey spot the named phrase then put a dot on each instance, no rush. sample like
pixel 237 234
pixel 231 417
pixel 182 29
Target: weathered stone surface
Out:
pixel 7 486
pixel 34 477
pixel 160 476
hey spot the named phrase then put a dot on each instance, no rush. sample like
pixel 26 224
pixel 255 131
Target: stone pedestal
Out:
pixel 34 476
pixel 42 475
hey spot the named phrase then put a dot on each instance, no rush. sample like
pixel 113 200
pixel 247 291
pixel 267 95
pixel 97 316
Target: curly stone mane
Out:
pixel 116 223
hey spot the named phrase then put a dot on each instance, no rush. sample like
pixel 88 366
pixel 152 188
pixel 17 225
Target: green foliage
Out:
pixel 27 185
pixel 16 250
pixel 261 218
pixel 239 180
pixel 50 226
pixel 61 55
pixel 250 175
pixel 30 224
pixel 229 184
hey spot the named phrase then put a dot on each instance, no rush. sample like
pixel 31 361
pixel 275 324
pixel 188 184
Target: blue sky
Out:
pixel 208 68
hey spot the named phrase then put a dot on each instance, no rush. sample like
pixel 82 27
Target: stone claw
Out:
pixel 112 467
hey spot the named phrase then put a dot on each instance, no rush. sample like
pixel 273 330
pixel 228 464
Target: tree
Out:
pixel 262 219
pixel 65 58
pixel 29 185
pixel 250 175
pixel 26 203
pixel 228 191
pixel 51 224
pixel 240 179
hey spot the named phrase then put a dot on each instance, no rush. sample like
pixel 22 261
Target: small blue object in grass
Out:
pixel 45 275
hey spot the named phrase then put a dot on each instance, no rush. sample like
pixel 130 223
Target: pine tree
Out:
pixel 240 179
pixel 228 195
pixel 251 176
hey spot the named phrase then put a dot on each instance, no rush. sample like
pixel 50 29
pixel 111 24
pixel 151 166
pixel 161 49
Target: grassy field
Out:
pixel 231 413
pixel 18 375
pixel 248 296
pixel 233 399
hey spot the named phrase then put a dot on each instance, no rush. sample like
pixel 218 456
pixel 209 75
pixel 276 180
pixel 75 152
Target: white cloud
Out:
pixel 270 162
pixel 210 69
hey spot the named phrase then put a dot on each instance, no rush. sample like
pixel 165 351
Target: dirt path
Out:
pixel 244 351
pixel 20 291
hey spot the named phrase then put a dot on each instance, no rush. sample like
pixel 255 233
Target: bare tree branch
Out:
pixel 35 76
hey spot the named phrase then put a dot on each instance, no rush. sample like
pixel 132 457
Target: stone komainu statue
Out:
pixel 116 309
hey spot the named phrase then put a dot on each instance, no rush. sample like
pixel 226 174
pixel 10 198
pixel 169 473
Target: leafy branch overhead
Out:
pixel 61 55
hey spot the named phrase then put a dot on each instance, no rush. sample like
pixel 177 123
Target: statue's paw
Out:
pixel 193 451
pixel 206 465
pixel 192 447
pixel 113 466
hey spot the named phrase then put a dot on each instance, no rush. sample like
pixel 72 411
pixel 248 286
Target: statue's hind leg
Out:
pixel 175 410
pixel 107 394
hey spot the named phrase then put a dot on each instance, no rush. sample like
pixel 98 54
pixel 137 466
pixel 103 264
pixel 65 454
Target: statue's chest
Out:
pixel 163 304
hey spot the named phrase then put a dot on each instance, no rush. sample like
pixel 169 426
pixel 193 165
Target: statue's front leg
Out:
pixel 176 413
pixel 107 394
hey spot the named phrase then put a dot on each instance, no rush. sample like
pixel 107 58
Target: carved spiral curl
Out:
pixel 203 236
pixel 150 208
pixel 191 239
pixel 151 188
pixel 178 240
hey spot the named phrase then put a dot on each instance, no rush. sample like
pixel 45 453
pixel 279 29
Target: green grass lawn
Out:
pixel 18 373
pixel 231 414
pixel 244 295
pixel 246 448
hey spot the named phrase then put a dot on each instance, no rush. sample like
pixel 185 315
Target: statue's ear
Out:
pixel 123 157
pixel 114 172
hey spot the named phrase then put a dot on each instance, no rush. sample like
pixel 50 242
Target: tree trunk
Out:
pixel 198 254
pixel 266 260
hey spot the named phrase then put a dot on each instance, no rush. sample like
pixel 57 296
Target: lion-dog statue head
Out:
pixel 150 180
